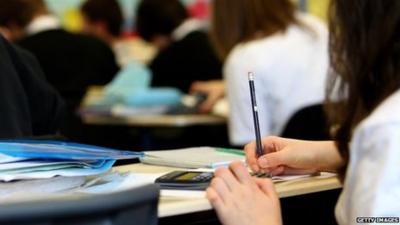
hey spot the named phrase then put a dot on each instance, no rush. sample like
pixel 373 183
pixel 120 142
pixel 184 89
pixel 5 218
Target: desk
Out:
pixel 183 211
pixel 172 206
pixel 154 120
pixel 152 131
pixel 96 92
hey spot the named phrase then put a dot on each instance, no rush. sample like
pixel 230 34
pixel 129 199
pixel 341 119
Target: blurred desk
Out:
pixel 154 120
pixel 96 92
pixel 149 131
pixel 174 206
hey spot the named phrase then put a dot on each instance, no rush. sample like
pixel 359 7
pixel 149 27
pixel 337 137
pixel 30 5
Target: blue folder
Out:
pixel 34 149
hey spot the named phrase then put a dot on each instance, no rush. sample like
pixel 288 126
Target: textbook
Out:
pixel 199 157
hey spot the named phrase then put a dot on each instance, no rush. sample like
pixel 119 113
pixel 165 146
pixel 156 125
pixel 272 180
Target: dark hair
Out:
pixel 17 12
pixel 159 17
pixel 108 11
pixel 365 57
pixel 245 20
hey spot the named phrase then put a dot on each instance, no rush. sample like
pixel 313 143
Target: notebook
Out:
pixel 199 157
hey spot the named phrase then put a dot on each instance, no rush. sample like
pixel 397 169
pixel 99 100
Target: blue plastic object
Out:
pixel 62 150
pixel 131 87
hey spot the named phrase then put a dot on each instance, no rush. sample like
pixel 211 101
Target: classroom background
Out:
pixel 68 11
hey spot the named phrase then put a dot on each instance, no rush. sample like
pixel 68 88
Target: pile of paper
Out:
pixel 24 160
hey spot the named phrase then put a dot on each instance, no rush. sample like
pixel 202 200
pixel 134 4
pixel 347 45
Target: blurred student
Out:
pixel 365 150
pixel 71 62
pixel 286 51
pixel 185 53
pixel 28 105
pixel 104 19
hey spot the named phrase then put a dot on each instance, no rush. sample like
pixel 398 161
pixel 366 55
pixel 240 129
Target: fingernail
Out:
pixel 255 167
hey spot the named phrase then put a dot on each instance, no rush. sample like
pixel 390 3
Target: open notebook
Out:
pixel 199 157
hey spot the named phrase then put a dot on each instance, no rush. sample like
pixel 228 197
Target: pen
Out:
pixel 259 150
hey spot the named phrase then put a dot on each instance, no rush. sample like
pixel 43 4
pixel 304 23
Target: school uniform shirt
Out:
pixel 29 106
pixel 190 57
pixel 290 70
pixel 372 182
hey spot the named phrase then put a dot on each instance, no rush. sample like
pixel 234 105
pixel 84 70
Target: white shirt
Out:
pixel 290 71
pixel 43 23
pixel 372 183
pixel 188 26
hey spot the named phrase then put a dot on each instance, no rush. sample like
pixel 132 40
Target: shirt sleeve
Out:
pixel 46 107
pixel 372 186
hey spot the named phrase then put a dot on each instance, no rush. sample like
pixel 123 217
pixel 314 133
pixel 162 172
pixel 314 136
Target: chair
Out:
pixel 309 123
pixel 135 206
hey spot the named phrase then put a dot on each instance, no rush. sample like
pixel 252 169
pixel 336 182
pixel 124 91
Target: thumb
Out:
pixel 273 159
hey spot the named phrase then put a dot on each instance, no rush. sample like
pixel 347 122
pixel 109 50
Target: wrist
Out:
pixel 329 159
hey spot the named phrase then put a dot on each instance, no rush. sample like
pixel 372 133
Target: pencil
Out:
pixel 259 149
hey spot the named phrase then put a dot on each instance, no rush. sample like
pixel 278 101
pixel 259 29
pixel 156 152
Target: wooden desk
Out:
pixel 96 92
pixel 173 206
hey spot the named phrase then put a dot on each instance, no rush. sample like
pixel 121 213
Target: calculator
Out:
pixel 185 180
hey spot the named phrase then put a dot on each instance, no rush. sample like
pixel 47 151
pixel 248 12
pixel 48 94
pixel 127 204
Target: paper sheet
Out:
pixel 8 159
pixel 57 171
pixel 40 186
pixel 198 157
pixel 31 165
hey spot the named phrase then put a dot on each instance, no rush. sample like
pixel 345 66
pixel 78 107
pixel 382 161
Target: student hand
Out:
pixel 215 90
pixel 290 156
pixel 240 199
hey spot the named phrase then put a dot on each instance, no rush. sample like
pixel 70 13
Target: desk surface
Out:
pixel 172 206
pixel 95 93
pixel 154 120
